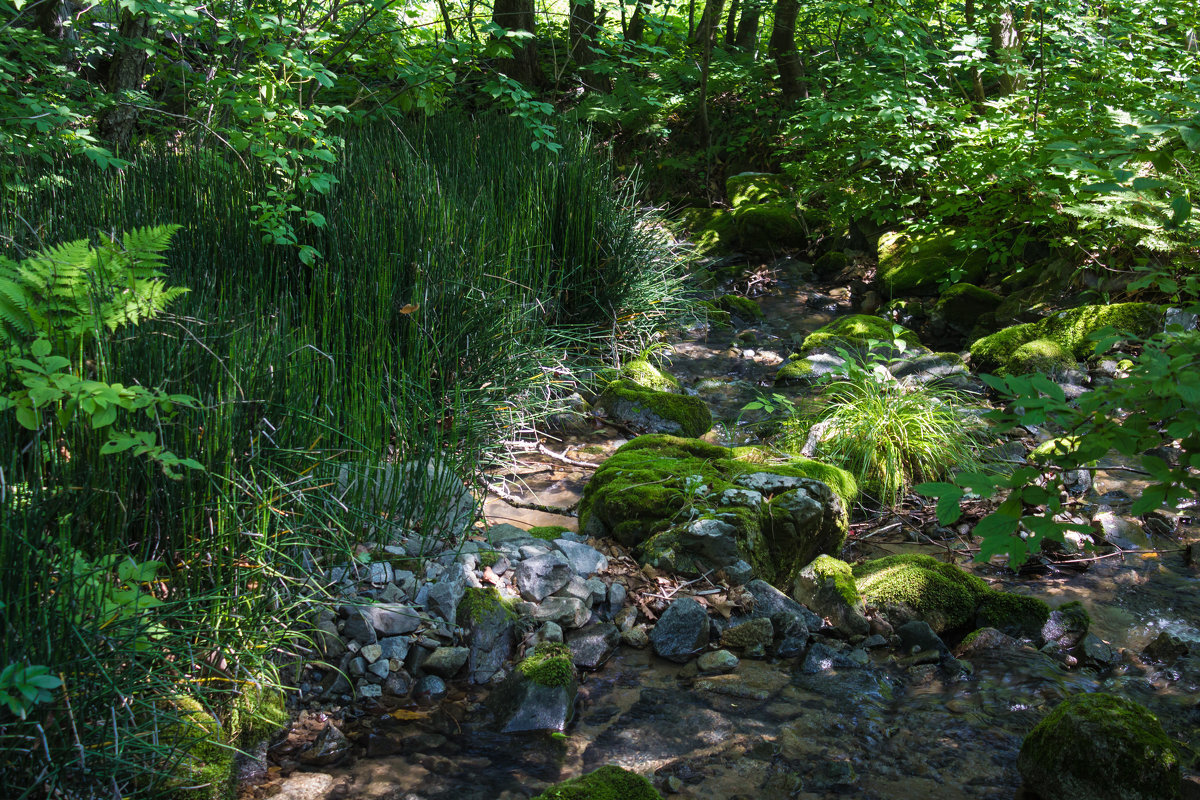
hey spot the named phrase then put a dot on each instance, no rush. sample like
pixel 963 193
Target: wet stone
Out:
pixel 747 634
pixel 445 662
pixel 717 662
pixel 542 575
pixel 593 645
pixel 681 632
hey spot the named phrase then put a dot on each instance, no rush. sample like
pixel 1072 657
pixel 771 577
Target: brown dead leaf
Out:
pixel 490 577
pixel 404 715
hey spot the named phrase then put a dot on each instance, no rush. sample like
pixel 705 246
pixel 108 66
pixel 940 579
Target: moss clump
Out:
pixel 607 783
pixel 920 262
pixel 258 711
pixel 795 369
pixel 204 770
pixel 756 188
pixel 1068 329
pixel 1100 747
pixel 1040 355
pixel 830 263
pixel 946 596
pixel 739 306
pixel 1012 613
pixel 548 532
pixel 549 665
pixel 854 332
pixel 964 303
pixel 840 574
pixel 645 374
pixel 765 227
pixel 843 482
pixel 478 604
pixel 488 558
pixel 686 416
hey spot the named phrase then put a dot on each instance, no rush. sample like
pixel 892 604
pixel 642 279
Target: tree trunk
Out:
pixel 582 32
pixel 126 72
pixel 517 15
pixel 637 25
pixel 784 52
pixel 1005 48
pixel 747 30
pixel 731 22
pixel 709 20
pixel 976 79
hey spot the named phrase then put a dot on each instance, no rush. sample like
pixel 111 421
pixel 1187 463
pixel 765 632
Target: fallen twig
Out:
pixel 564 458
pixel 516 502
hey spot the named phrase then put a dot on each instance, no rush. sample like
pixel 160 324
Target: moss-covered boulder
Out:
pixel 854 332
pixel 827 587
pixel 1040 355
pixel 539 694
pixel 739 306
pixel 491 631
pixel 607 783
pixel 919 587
pixel 691 506
pixel 204 769
pixel 1100 747
pixel 658 412
pixel 963 304
pixel 650 376
pixel 918 263
pixel 1068 330
pixel 756 188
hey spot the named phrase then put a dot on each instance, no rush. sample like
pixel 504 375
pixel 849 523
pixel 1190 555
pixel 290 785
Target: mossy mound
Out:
pixel 768 227
pixel 854 332
pixel 795 370
pixel 840 575
pixel 648 376
pixel 910 264
pixel 479 604
pixel 1040 355
pixel 1069 330
pixel 661 412
pixel 549 665
pixel 607 783
pixel 685 502
pixel 204 770
pixel 1100 747
pixel 258 711
pixel 945 596
pixel 548 533
pixel 831 263
pixel 756 188
pixel 739 306
pixel 963 304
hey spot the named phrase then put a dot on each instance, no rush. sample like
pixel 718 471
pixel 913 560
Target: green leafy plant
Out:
pixel 23 687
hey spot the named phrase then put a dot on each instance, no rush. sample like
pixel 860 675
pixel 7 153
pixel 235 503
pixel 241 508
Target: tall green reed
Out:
pixel 464 277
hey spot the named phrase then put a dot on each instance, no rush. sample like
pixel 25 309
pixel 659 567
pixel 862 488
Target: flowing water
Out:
pixel 768 731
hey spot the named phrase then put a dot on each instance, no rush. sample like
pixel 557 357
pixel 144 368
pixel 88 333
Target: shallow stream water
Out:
pixel 768 731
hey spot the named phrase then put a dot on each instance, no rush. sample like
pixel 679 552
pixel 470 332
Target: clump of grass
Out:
pixel 889 436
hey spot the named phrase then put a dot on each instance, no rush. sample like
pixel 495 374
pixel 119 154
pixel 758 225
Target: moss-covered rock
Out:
pixel 548 533
pixel 204 769
pixel 1040 355
pixel 1100 747
pixel 739 306
pixel 607 783
pixel 918 263
pixel 827 587
pixel 914 586
pixel 1068 329
pixel 756 188
pixel 768 227
pixel 964 303
pixel 854 332
pixel 692 506
pixel 660 412
pixel 649 376
pixel 549 665
pixel 831 263
pixel 478 604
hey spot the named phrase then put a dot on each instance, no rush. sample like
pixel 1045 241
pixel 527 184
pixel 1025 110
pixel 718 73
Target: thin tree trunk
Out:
pixel 1006 48
pixel 126 72
pixel 517 15
pixel 784 51
pixel 731 22
pixel 747 30
pixel 446 20
pixel 637 25
pixel 581 30
pixel 709 19
pixel 976 78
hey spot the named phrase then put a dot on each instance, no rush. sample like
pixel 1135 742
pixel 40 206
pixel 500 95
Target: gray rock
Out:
pixel 1066 626
pixel 358 626
pixel 712 540
pixel 398 684
pixel 757 631
pixel 441 599
pixel 391 619
pixel 578 588
pixel 1120 532
pixel 371 653
pixel 445 662
pixel 305 786
pixel 918 637
pixel 873 641
pixel 542 575
pixel 568 612
pixel 584 560
pixel 791 647
pixel 533 550
pixel 1166 648
pixel 429 688
pixel 717 662
pixel 769 601
pixel 740 497
pixel 681 632
pixel 635 637
pixel 739 572
pixel 328 640
pixel 822 658
pixel 329 748
pixel 491 638
pixel 1096 652
pixel 816 588
pixel 379 572
pixel 520 705
pixel 378 671
pixel 505 533
pixel 617 593
pixel 394 647
pixel 550 632
pixel 593 645
pixel 768 482
pixel 598 589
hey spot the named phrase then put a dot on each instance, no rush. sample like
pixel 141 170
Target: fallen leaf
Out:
pixel 410 308
pixel 404 715
pixel 490 577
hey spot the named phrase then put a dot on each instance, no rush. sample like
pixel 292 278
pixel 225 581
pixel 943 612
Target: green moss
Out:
pixel 716 316
pixel 607 783
pixel 843 483
pixel 739 306
pixel 204 770
pixel 796 368
pixel 964 303
pixel 488 558
pixel 690 415
pixel 1100 746
pixel 1012 613
pixel 645 374
pixel 549 665
pixel 548 532
pixel 921 262
pixel 830 263
pixel 1068 329
pixel 477 604
pixel 842 576
pixel 259 710
pixel 855 331
pixel 755 188
pixel 768 226
pixel 1040 355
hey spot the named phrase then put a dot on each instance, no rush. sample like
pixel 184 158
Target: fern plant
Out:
pixel 69 292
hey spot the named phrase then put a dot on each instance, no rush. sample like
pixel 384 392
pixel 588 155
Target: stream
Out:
pixel 771 730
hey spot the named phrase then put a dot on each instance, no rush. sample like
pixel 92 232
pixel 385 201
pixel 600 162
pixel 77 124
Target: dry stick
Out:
pixel 516 502
pixel 1118 552
pixel 564 458
pixel 71 715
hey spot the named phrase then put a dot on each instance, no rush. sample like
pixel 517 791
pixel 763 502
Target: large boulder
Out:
pixel 539 694
pixel 681 633
pixel 1100 747
pixel 1060 337
pixel 690 506
pixel 917 263
pixel 919 587
pixel 655 411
